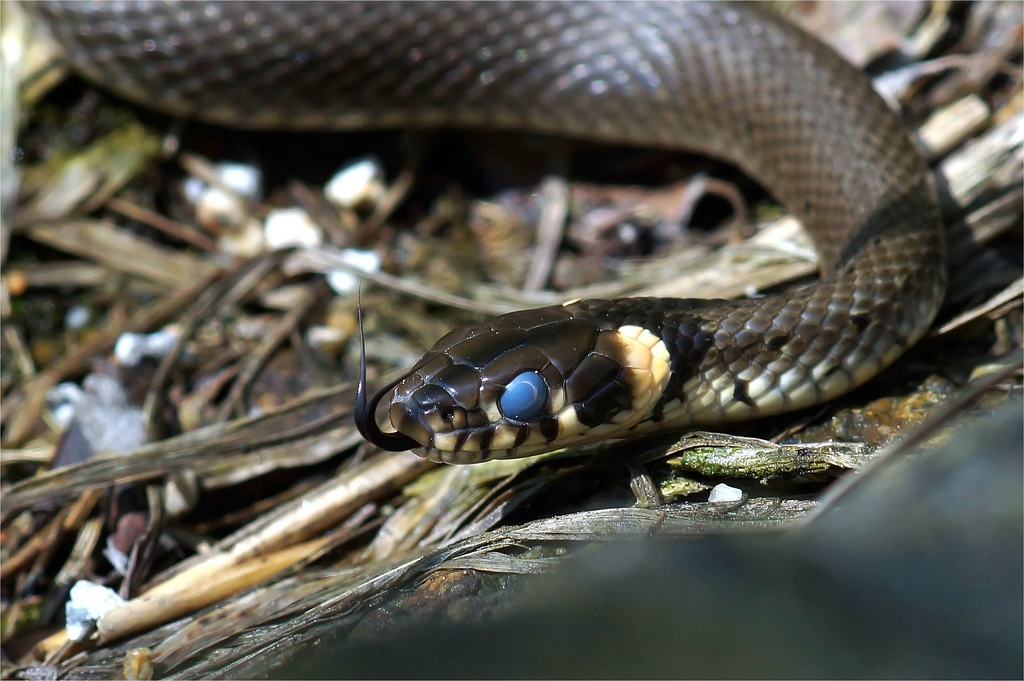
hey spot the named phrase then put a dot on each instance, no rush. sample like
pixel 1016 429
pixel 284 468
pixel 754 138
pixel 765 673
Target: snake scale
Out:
pixel 731 81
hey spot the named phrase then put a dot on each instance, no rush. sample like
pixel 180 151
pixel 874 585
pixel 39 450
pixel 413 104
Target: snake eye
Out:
pixel 524 397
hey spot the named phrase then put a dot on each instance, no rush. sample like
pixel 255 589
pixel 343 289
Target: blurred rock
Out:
pixel 916 573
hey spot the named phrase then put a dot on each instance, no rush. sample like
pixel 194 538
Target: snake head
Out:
pixel 521 384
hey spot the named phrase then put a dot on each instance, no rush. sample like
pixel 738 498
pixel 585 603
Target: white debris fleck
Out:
pixel 358 183
pixel 115 556
pixel 325 337
pixel 217 209
pixel 108 421
pixel 88 602
pixel 39 672
pixel 66 393
pixel 63 414
pixel 287 227
pixel 344 283
pixel 63 400
pixel 251 328
pixel 246 242
pixel 284 298
pixel 107 390
pixel 243 182
pixel 181 493
pixel 192 187
pixel 77 317
pixel 132 347
pixel 241 178
pixel 725 493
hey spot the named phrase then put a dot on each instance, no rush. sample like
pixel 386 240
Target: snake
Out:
pixel 734 82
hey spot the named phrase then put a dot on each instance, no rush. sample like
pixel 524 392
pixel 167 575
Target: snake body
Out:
pixel 727 80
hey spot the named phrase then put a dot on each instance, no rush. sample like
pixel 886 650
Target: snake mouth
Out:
pixel 365 417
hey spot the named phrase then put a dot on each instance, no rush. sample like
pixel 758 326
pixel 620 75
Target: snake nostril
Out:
pixel 436 409
pixel 452 418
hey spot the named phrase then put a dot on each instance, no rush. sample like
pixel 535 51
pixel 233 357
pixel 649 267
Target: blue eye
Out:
pixel 524 397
